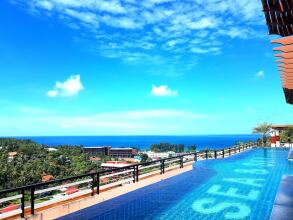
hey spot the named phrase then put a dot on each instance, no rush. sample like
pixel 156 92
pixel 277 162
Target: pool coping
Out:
pixel 283 204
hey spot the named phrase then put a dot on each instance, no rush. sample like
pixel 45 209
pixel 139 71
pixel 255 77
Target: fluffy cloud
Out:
pixel 260 74
pixel 163 90
pixel 70 87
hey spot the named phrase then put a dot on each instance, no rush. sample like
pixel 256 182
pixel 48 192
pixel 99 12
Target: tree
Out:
pixel 33 160
pixel 286 135
pixel 165 147
pixel 144 158
pixel 263 129
pixel 192 148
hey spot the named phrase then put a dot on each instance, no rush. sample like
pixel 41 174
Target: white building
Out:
pixel 275 136
pixel 162 155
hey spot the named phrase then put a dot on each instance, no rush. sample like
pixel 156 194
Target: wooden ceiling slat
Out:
pixel 287 85
pixel 286 61
pixel 285 49
pixel 289 71
pixel 283 40
pixel 285 55
pixel 287 80
pixel 284 76
pixel 287 66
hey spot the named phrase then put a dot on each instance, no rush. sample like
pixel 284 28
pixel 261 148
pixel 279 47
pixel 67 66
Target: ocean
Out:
pixel 144 142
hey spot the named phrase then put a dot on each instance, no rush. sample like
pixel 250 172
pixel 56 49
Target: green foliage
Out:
pixel 263 129
pixel 286 135
pixel 192 148
pixel 144 158
pixel 164 147
pixel 34 160
pixel 259 142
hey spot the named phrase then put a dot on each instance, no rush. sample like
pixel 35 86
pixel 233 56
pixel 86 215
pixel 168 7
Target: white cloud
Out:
pixel 163 90
pixel 86 17
pixel 260 74
pixel 207 22
pixel 45 4
pixel 133 30
pixel 111 6
pixel 70 87
pixel 211 50
pixel 52 93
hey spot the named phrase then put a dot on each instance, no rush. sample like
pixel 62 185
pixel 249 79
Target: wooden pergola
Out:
pixel 279 18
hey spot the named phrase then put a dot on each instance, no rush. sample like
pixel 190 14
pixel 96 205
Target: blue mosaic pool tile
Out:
pixel 239 187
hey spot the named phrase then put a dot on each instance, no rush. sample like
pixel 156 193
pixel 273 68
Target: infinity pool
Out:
pixel 239 187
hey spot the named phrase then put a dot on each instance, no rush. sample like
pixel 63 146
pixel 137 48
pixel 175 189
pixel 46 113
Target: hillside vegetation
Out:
pixel 33 160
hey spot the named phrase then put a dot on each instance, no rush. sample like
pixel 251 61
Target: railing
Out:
pixel 25 200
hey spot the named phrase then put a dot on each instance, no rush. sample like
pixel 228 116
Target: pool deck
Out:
pixel 65 209
pixel 283 206
pixel 71 205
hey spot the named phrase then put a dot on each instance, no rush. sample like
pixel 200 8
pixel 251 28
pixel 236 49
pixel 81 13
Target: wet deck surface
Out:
pixel 283 206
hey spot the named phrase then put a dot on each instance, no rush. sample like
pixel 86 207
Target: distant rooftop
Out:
pixel 114 148
pixel 98 147
pixel 285 126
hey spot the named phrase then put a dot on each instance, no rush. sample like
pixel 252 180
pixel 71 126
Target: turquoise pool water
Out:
pixel 239 187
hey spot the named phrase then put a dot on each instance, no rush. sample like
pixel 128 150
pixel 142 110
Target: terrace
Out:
pixel 56 198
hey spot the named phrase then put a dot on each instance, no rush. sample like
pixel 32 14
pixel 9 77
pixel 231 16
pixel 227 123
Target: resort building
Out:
pixel 11 156
pixel 111 152
pixel 275 136
pixel 154 156
pixel 97 150
pixel 122 152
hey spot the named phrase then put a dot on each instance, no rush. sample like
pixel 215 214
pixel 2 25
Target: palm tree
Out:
pixel 263 129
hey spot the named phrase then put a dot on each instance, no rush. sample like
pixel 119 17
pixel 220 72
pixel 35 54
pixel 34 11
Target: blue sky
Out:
pixel 117 67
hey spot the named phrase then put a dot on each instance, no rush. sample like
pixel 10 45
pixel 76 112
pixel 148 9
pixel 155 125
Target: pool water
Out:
pixel 242 186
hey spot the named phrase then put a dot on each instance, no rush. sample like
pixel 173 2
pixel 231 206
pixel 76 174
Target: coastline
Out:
pixel 143 142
